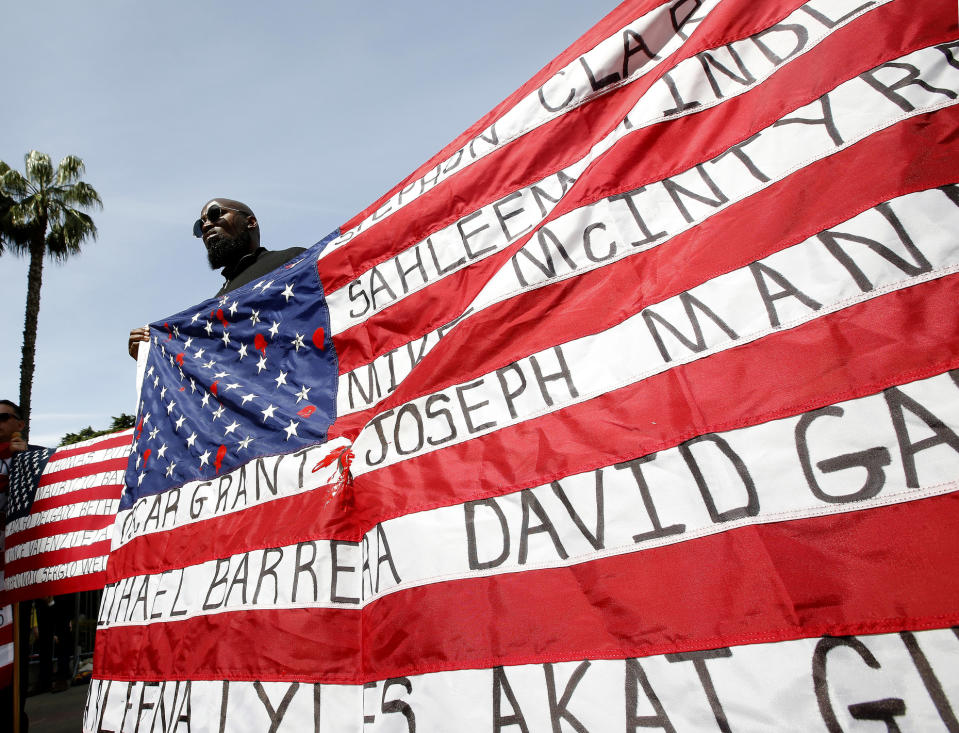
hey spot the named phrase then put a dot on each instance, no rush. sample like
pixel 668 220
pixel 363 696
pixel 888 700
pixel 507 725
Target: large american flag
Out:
pixel 59 520
pixel 634 407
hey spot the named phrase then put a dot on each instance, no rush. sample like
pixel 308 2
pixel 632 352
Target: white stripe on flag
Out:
pixel 830 683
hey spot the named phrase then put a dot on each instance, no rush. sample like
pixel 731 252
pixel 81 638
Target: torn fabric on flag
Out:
pixel 635 407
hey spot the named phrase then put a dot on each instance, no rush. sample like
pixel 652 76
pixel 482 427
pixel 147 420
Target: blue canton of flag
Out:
pixel 25 471
pixel 247 374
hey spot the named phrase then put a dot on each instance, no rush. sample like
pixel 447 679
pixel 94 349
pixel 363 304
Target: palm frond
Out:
pixel 69 170
pixel 38 167
pixel 23 213
pixel 57 245
pixel 79 225
pixel 11 234
pixel 81 194
pixel 16 234
pixel 66 236
pixel 13 184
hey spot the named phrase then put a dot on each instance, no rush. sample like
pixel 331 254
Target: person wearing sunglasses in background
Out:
pixel 231 234
pixel 10 427
pixel 11 443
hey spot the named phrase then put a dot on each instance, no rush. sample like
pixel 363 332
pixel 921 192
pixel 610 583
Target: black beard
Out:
pixel 226 251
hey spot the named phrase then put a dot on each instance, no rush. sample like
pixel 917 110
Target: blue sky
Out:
pixel 305 111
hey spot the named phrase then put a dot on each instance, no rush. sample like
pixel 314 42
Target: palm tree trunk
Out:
pixel 34 280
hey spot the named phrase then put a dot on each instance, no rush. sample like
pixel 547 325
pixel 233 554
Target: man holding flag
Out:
pixel 231 234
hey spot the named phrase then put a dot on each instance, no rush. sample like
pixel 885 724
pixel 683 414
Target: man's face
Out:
pixel 10 423
pixel 226 238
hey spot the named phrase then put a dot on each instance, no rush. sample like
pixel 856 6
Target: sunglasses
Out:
pixel 214 213
pixel 7 416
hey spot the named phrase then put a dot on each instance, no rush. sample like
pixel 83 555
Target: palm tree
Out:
pixel 37 215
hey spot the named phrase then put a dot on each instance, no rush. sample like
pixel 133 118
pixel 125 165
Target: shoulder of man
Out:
pixel 280 256
pixel 266 261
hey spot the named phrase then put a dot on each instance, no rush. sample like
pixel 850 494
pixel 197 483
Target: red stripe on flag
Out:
pixel 116 441
pixel 76 584
pixel 279 523
pixel 94 493
pixel 48 529
pixel 57 557
pixel 86 469
pixel 298 644
pixel 688 400
pixel 831 575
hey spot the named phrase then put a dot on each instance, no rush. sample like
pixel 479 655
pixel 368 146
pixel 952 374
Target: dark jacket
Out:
pixel 255 265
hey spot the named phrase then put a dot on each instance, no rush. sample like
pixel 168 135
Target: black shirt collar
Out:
pixel 231 271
